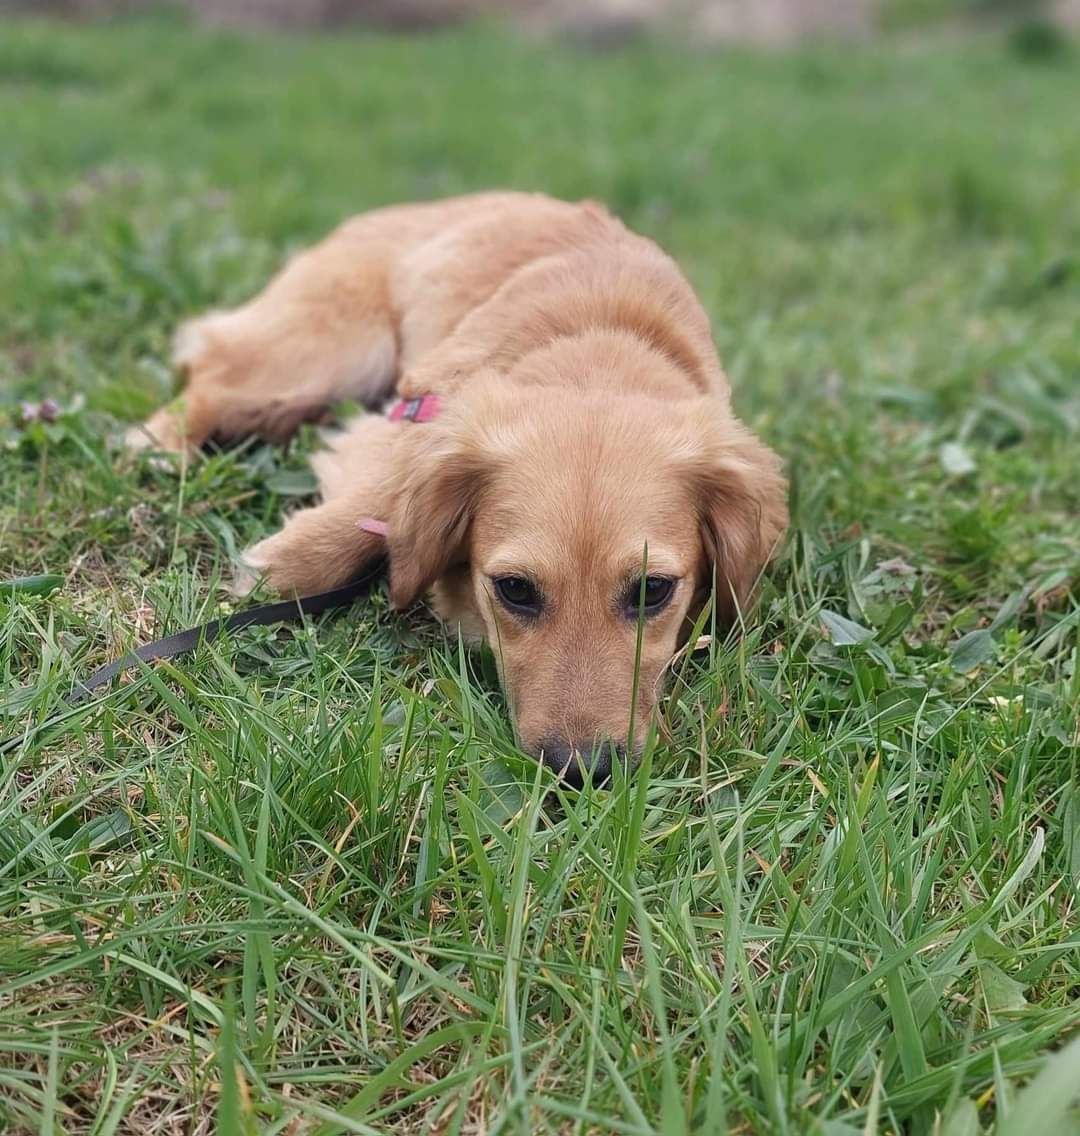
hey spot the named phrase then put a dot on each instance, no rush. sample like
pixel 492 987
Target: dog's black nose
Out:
pixel 576 762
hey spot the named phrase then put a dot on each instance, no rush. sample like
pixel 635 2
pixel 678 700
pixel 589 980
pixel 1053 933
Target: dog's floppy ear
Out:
pixel 742 503
pixel 434 503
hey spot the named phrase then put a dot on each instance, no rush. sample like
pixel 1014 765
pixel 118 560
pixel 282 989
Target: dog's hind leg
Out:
pixel 322 331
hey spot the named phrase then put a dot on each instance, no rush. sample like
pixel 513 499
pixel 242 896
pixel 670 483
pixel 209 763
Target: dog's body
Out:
pixel 583 418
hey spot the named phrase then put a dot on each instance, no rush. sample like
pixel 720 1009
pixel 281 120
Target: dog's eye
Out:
pixel 651 598
pixel 518 594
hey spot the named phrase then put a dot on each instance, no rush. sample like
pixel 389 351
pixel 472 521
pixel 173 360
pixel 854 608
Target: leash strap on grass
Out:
pixel 287 611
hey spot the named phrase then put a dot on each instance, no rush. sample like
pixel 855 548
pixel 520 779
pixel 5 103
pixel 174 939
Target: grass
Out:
pixel 303 881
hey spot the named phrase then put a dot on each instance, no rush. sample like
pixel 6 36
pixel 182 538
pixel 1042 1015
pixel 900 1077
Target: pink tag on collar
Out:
pixel 373 526
pixel 422 409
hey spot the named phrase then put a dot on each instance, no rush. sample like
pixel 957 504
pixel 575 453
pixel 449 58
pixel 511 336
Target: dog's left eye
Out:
pixel 649 595
pixel 518 594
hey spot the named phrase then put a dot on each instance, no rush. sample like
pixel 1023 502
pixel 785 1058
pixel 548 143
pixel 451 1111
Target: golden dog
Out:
pixel 569 418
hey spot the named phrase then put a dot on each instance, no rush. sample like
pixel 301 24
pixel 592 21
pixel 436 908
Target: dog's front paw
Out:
pixel 318 549
pixel 251 570
pixel 163 432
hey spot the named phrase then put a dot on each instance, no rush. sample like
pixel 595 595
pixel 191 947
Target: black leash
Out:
pixel 286 611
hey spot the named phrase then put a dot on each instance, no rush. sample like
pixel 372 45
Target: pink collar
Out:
pixel 422 409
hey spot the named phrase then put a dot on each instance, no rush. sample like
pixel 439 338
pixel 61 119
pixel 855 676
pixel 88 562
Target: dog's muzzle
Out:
pixel 578 762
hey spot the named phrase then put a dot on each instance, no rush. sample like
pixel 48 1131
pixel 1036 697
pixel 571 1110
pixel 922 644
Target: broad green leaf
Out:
pixel 989 946
pixel 1049 1103
pixel 101 832
pixel 292 483
pixel 972 650
pixel 1003 995
pixel 1009 609
pixel 504 797
pixel 844 632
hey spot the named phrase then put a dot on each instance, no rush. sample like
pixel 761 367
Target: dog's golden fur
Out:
pixel 585 418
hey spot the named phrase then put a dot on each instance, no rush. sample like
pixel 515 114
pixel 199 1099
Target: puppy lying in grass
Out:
pixel 564 462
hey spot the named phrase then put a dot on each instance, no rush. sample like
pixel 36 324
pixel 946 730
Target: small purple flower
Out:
pixel 46 411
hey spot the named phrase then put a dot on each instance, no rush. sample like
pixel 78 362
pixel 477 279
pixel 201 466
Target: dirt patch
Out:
pixel 770 23
pixel 763 21
pixel 779 22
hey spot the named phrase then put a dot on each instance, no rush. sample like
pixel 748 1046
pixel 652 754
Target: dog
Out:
pixel 563 468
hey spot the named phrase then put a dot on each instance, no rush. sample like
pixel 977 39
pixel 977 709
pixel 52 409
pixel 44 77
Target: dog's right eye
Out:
pixel 518 594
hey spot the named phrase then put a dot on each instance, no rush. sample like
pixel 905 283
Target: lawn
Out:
pixel 302 881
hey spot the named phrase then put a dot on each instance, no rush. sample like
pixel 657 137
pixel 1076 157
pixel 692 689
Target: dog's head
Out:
pixel 553 523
